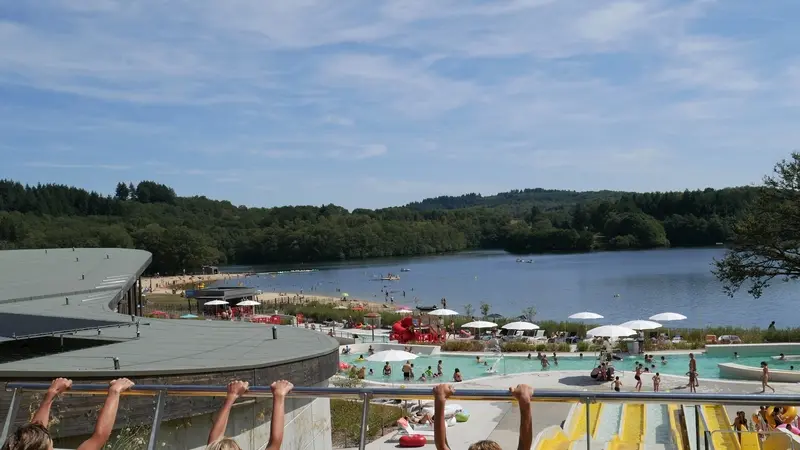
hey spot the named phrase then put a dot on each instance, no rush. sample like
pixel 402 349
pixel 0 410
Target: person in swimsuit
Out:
pixel 663 360
pixel 693 369
pixel 777 416
pixel 739 424
pixel 457 376
pixel 765 378
pixel 692 381
pixel 638 377
pixel 616 384
pixel 387 370
pixel 555 359
pixel 545 363
pixel 406 371
pixel 439 368
pixel 656 381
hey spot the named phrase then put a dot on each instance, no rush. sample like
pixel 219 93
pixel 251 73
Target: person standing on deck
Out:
pixel 693 368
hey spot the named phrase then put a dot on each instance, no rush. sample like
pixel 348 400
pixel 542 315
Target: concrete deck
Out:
pixel 499 421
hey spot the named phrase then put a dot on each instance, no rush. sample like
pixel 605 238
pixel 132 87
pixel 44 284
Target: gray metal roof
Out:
pixel 36 283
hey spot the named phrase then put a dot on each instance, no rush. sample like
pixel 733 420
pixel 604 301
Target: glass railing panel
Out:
pixel 322 417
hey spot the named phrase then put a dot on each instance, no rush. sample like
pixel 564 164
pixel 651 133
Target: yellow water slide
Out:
pixel 558 440
pixel 578 430
pixel 717 420
pixel 677 428
pixel 632 429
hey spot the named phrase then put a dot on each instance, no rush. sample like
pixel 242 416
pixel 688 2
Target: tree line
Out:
pixel 187 232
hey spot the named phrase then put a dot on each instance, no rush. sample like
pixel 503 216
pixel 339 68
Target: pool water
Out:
pixel 470 369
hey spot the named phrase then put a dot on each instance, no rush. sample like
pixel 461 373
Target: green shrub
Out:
pixel 346 421
pixel 463 346
pixel 582 346
pixel 517 347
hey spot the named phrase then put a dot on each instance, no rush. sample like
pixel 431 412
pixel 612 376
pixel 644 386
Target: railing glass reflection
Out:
pixel 171 410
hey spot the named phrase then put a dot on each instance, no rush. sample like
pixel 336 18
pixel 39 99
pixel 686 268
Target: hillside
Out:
pixel 516 201
pixel 187 232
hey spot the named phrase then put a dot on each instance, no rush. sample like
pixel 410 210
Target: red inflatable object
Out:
pixel 401 331
pixel 413 440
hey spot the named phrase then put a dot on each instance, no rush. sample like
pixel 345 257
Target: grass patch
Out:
pixel 166 299
pixel 346 421
pixel 463 346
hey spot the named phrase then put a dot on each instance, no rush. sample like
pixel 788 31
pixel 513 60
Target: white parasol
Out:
pixel 667 316
pixel 391 356
pixel 611 331
pixel 249 303
pixel 586 315
pixel 479 324
pixel 442 312
pixel 404 311
pixel 524 326
pixel 215 303
pixel 641 325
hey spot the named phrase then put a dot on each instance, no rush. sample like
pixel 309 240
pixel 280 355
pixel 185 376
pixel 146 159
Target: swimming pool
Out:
pixel 511 364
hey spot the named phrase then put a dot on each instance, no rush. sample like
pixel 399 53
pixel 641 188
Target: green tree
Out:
pixel 122 192
pixel 485 307
pixel 529 313
pixel 469 310
pixel 766 239
pixel 644 230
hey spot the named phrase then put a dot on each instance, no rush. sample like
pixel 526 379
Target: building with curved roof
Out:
pixel 60 315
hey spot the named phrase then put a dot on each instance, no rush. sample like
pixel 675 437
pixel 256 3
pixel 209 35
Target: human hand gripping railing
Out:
pixel 367 394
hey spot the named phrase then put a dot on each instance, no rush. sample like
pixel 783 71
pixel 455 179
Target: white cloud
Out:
pixel 543 86
pixel 338 120
pixel 51 165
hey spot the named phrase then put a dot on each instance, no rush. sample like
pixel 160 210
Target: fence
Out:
pixel 366 395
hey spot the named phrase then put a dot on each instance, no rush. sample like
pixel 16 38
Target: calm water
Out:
pixel 619 285
pixel 676 365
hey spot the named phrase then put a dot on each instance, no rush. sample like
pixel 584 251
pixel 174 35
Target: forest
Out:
pixel 184 233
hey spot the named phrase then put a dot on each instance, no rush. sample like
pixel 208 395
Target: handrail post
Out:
pixel 159 413
pixel 587 401
pixel 362 443
pixel 697 425
pixel 16 398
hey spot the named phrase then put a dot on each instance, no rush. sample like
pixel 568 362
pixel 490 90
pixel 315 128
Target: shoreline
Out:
pixel 179 283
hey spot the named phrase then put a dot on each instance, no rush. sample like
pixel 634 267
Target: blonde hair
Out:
pixel 32 436
pixel 485 445
pixel 223 444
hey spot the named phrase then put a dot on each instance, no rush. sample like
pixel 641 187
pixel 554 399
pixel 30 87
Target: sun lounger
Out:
pixel 407 428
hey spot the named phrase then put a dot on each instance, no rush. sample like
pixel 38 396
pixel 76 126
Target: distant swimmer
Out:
pixel 616 295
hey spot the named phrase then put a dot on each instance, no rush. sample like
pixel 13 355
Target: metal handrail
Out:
pixel 367 394
pixel 543 395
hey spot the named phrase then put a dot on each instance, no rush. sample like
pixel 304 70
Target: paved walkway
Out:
pixel 499 421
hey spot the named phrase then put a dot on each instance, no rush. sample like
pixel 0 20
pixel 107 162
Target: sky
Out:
pixel 372 103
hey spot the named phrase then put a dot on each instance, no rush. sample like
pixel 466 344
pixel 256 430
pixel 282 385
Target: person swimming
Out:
pixel 360 358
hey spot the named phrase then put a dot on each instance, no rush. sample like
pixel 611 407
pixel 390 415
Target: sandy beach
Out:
pixel 166 285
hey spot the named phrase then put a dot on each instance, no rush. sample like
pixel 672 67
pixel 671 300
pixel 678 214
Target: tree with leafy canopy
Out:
pixel 469 310
pixel 766 239
pixel 122 192
pixel 485 307
pixel 529 313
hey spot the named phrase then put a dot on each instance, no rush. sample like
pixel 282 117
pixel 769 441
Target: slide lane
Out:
pixel 631 430
pixel 716 418
pixel 633 423
pixel 557 439
pixel 578 430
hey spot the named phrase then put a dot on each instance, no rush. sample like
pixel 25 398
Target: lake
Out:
pixel 619 285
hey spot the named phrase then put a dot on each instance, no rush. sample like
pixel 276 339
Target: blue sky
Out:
pixel 369 103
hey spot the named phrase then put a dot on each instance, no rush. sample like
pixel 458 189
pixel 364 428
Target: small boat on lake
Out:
pixel 405 270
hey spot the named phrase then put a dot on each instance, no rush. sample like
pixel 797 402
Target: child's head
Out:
pixel 658 374
pixel 485 445
pixel 617 378
pixel 224 444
